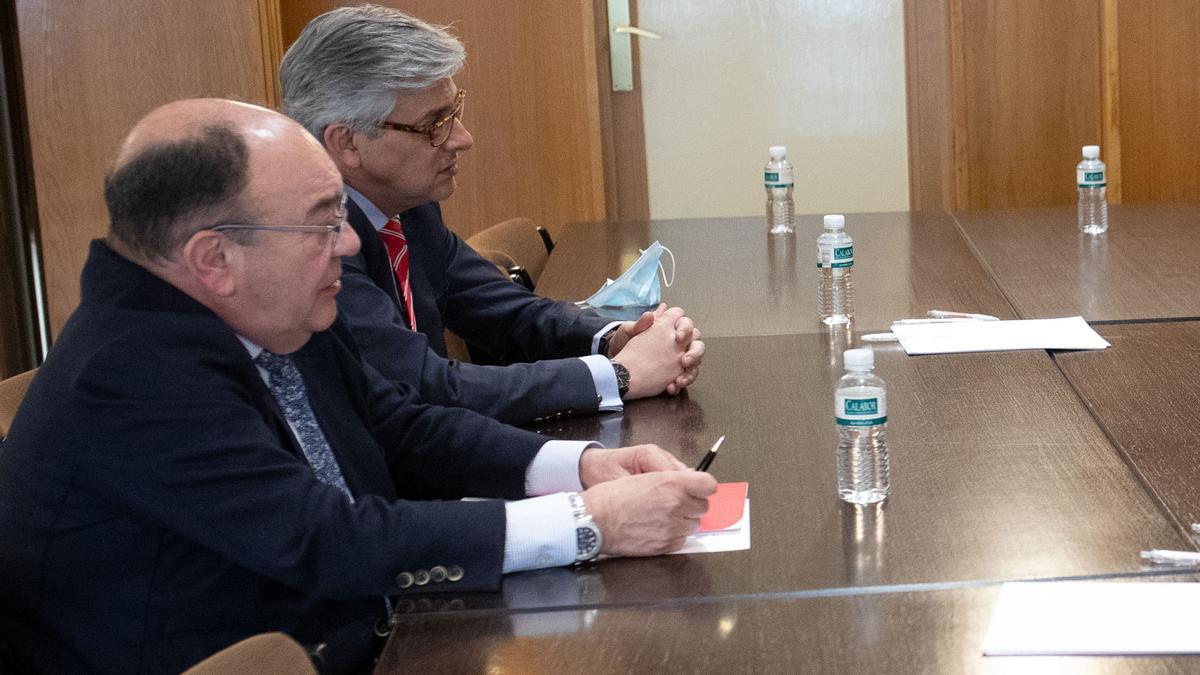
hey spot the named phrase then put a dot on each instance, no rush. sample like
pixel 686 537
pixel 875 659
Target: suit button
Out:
pixel 437 573
pixel 421 577
pixel 454 573
pixel 404 579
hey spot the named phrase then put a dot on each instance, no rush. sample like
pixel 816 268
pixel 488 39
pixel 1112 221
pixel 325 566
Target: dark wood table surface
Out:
pixel 1145 392
pixel 928 631
pixel 734 278
pixel 1005 466
pixel 1144 268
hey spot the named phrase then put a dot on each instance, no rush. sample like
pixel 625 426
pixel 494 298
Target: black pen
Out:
pixel 709 456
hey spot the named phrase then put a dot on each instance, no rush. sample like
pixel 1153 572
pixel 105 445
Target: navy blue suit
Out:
pixel 156 508
pixel 454 287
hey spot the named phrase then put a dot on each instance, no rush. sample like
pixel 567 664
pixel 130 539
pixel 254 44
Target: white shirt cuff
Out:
pixel 539 532
pixel 604 376
pixel 556 468
pixel 597 336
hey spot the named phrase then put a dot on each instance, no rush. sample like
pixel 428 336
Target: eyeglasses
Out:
pixel 333 230
pixel 340 212
pixel 439 131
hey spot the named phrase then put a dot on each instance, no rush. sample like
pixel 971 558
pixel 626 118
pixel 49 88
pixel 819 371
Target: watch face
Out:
pixel 587 541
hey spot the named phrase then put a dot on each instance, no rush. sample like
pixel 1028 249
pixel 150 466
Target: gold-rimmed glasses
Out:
pixel 438 131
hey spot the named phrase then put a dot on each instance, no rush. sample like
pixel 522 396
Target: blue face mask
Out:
pixel 637 289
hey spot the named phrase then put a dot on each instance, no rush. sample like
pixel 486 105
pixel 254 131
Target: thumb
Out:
pixel 698 483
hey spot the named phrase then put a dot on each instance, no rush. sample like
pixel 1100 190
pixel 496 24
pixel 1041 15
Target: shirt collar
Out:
pixel 374 216
pixel 254 349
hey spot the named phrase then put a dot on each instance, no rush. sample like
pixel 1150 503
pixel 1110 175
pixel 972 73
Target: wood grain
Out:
pixel 1033 97
pixel 93 69
pixel 931 105
pixel 1144 268
pixel 1143 392
pixel 1160 94
pixel 916 632
pixel 735 279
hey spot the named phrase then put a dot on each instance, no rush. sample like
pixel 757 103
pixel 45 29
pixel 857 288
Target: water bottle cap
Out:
pixel 835 221
pixel 1091 151
pixel 778 151
pixel 859 359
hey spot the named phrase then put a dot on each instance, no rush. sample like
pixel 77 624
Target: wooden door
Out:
pixel 92 69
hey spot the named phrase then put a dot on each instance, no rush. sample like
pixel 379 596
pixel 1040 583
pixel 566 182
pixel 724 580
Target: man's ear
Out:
pixel 339 142
pixel 212 261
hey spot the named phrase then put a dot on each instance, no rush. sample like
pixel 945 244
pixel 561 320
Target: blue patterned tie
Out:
pixel 287 387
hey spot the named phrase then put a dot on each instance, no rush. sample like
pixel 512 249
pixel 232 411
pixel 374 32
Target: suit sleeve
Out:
pixel 516 394
pixel 198 457
pixel 508 320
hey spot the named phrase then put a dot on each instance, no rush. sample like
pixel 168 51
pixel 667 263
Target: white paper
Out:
pixel 993 336
pixel 736 537
pixel 1080 617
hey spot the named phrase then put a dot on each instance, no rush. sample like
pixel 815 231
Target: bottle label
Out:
pixel 1090 178
pixel 860 411
pixel 778 179
pixel 831 256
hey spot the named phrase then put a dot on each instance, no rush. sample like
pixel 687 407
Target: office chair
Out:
pixel 515 243
pixel 12 392
pixel 266 654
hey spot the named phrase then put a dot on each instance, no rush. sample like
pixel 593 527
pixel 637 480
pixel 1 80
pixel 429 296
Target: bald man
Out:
pixel 204 456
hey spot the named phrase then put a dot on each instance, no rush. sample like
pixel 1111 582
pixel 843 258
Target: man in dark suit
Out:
pixel 376 87
pixel 204 456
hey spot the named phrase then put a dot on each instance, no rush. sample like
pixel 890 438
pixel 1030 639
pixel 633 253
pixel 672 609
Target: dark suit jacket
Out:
pixel 453 286
pixel 155 507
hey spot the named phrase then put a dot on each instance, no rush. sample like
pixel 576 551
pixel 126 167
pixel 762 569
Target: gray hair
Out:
pixel 348 64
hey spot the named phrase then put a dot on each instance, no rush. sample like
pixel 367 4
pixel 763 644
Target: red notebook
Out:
pixel 725 507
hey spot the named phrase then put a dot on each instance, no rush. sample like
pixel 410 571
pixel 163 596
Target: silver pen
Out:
pixel 917 322
pixel 879 337
pixel 947 314
pixel 1161 557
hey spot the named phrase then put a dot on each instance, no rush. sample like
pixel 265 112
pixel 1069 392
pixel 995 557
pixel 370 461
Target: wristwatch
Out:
pixel 622 378
pixel 587 534
pixel 602 346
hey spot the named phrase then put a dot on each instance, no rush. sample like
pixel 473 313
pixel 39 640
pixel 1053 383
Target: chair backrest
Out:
pixel 12 392
pixel 266 654
pixel 519 240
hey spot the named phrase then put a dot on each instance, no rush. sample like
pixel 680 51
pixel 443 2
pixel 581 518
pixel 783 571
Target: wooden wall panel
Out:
pixel 1032 86
pixel 1159 78
pixel 94 68
pixel 930 112
pixel 532 105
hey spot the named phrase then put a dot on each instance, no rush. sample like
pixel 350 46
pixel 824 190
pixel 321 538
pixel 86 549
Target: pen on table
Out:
pixel 916 322
pixel 946 314
pixel 879 337
pixel 1161 557
pixel 709 456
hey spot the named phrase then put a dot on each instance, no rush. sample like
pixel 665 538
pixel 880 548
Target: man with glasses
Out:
pixel 377 88
pixel 204 456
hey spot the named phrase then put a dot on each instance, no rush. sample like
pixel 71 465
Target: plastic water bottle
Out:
pixel 835 262
pixel 777 177
pixel 1091 177
pixel 860 407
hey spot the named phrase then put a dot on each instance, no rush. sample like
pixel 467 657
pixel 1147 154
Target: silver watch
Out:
pixel 587 535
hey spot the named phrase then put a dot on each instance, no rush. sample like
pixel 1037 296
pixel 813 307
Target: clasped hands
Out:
pixel 643 499
pixel 662 351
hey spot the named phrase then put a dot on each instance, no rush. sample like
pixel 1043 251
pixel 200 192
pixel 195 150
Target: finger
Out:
pixel 684 330
pixel 675 544
pixel 660 310
pixel 698 484
pixel 653 458
pixel 673 388
pixel 694 354
pixel 694 507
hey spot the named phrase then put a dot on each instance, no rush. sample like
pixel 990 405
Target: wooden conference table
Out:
pixel 1002 468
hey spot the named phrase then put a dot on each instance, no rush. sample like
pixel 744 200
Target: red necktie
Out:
pixel 397 248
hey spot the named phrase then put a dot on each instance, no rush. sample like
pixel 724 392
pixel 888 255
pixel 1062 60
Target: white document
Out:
pixel 733 538
pixel 1081 617
pixel 994 336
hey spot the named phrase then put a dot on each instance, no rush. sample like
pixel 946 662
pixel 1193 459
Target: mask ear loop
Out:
pixel 663 271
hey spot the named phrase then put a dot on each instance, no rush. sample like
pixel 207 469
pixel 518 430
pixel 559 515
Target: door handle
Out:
pixel 634 30
pixel 620 46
